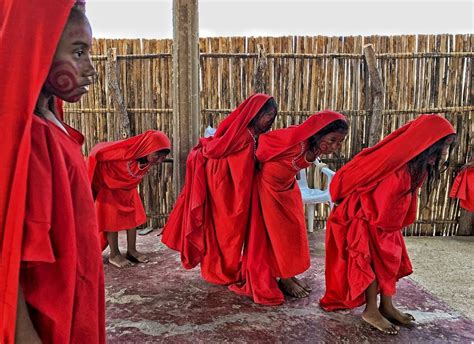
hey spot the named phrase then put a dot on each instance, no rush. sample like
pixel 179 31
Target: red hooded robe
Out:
pixel 363 239
pixel 209 221
pixel 463 188
pixel 45 210
pixel 277 244
pixel 115 174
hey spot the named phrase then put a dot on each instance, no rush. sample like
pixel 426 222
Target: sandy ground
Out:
pixel 445 268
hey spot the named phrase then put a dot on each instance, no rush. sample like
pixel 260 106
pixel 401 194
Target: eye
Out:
pixel 79 53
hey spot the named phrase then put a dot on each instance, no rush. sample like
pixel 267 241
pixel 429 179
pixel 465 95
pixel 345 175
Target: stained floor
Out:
pixel 162 302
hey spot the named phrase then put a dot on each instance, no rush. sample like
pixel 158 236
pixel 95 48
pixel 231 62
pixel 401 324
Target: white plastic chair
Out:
pixel 210 131
pixel 313 196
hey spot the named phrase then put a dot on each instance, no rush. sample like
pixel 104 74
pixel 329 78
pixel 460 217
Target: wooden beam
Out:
pixel 260 71
pixel 376 87
pixel 185 86
pixel 115 96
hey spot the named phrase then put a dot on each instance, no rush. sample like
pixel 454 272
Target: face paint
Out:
pixel 72 71
pixel 331 143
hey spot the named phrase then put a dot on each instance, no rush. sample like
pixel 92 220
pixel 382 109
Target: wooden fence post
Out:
pixel 259 85
pixel 375 131
pixel 122 123
pixel 186 115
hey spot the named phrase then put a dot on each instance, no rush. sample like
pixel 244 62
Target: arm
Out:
pixel 24 331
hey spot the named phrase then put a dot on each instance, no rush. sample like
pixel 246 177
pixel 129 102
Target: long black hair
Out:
pixel 420 165
pixel 269 105
pixel 338 125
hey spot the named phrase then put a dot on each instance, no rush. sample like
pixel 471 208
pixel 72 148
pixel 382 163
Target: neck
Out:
pixel 42 105
pixel 43 109
pixel 253 131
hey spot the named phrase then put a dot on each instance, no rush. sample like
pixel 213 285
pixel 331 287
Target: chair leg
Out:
pixel 310 216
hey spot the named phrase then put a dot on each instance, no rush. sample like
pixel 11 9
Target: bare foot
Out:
pixel 302 284
pixel 376 320
pixel 137 257
pixel 120 262
pixel 394 314
pixel 291 288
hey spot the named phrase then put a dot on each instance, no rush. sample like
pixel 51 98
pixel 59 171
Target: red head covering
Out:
pixel 463 188
pixel 397 149
pixel 278 141
pixel 224 140
pixel 29 35
pixel 128 149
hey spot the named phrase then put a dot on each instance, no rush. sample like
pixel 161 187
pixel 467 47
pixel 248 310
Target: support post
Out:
pixel 375 131
pixel 122 127
pixel 186 116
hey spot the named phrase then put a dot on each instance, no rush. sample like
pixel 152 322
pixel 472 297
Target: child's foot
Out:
pixel 302 284
pixel 137 257
pixel 291 288
pixel 394 314
pixel 120 262
pixel 376 320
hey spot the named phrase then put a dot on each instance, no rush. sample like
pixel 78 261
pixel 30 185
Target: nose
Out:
pixel 90 70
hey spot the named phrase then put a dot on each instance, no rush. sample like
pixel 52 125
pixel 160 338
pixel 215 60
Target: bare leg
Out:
pixel 132 252
pixel 371 314
pixel 390 312
pixel 115 258
pixel 291 288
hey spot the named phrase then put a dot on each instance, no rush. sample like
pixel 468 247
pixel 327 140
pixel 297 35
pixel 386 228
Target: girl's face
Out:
pixel 157 157
pixel 72 71
pixel 331 142
pixel 264 121
pixel 444 152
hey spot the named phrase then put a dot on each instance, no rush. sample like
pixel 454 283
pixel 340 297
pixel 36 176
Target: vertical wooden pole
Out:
pixel 186 117
pixel 260 71
pixel 122 125
pixel 375 131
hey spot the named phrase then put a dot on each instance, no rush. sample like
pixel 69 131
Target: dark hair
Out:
pixel 338 125
pixel 419 166
pixel 144 159
pixel 269 105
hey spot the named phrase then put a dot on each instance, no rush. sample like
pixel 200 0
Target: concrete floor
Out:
pixel 162 302
pixel 445 267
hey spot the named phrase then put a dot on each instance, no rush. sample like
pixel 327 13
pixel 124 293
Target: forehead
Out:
pixel 77 32
pixel 336 135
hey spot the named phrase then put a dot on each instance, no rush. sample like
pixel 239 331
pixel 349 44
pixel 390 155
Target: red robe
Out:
pixel 277 243
pixel 463 188
pixel 61 275
pixel 209 221
pixel 115 174
pixel 363 238
pixel 28 35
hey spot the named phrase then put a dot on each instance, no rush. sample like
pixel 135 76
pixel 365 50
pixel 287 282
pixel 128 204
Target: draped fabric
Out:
pixel 209 220
pixel 277 244
pixel 28 39
pixel 463 188
pixel 363 238
pixel 115 174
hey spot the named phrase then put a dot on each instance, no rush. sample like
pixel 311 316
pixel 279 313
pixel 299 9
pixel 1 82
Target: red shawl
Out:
pixel 463 188
pixel 207 224
pixel 29 35
pixel 363 238
pixel 277 244
pixel 115 174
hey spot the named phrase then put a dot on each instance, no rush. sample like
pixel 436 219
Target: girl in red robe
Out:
pixel 52 287
pixel 115 170
pixel 209 221
pixel 376 193
pixel 277 244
